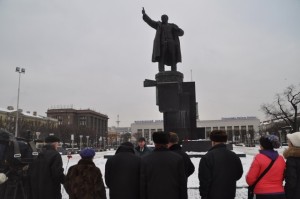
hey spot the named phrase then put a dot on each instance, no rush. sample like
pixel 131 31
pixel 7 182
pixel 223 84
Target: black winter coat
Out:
pixel 219 170
pixel 292 173
pixel 46 175
pixel 122 174
pixel 162 175
pixel 188 165
pixel 87 172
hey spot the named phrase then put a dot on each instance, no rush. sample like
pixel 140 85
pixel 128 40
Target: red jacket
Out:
pixel 272 180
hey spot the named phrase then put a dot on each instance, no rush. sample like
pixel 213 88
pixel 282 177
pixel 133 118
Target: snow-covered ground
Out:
pixel 193 182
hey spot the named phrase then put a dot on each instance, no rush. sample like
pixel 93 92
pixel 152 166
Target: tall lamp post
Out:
pixel 80 136
pixel 87 141
pixel 20 71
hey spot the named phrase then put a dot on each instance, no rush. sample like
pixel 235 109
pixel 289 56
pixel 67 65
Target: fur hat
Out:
pixel 160 137
pixel 218 136
pixel 51 139
pixel 87 153
pixel 3 178
pixel 294 138
pixel 269 142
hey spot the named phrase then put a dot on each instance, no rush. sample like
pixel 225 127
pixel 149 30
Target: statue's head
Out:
pixel 164 18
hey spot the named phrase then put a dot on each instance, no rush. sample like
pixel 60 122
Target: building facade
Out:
pixel 85 122
pixel 27 121
pixel 239 129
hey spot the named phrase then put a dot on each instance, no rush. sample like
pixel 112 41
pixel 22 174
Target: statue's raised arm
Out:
pixel 166 47
pixel 148 20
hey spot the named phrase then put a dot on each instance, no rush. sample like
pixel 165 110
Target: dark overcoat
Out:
pixel 140 153
pixel 219 170
pixel 163 176
pixel 46 175
pixel 292 173
pixel 176 31
pixel 188 165
pixel 122 174
pixel 84 181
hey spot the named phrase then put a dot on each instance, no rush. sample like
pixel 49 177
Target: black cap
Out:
pixel 51 139
pixel 218 136
pixel 160 137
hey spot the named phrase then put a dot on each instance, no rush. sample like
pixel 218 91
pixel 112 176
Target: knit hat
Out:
pixel 51 139
pixel 218 136
pixel 87 153
pixel 269 142
pixel 294 138
pixel 160 137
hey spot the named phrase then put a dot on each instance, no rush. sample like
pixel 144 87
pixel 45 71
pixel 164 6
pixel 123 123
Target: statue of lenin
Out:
pixel 166 46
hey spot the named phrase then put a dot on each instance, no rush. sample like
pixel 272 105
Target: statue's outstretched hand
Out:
pixel 143 11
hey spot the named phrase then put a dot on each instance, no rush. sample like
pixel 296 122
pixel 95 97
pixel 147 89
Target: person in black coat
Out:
pixel 219 169
pixel 162 172
pixel 175 147
pixel 292 171
pixel 122 173
pixel 46 172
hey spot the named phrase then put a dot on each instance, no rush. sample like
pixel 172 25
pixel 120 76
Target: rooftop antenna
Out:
pixel 118 121
pixel 191 75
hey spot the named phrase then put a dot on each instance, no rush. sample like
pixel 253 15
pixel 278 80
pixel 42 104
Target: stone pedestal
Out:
pixel 177 101
pixel 169 76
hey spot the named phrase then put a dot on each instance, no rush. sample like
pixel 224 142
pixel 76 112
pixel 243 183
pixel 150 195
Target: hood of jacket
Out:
pixel 292 152
pixel 270 153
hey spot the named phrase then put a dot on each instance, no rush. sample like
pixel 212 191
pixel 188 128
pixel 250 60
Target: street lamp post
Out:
pixel 100 142
pixel 280 138
pixel 87 141
pixel 19 70
pixel 80 136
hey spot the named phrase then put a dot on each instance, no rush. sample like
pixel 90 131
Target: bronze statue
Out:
pixel 166 46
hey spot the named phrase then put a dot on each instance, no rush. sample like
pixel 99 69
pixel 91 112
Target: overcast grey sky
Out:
pixel 96 54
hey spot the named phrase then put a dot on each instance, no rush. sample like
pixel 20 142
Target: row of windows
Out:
pixel 229 128
pixel 147 133
pixel 82 121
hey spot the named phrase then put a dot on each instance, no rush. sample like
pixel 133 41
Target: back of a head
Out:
pixel 294 138
pixel 173 138
pixel 160 137
pixel 269 142
pixel 218 136
pixel 51 139
pixel 87 153
pixel 125 147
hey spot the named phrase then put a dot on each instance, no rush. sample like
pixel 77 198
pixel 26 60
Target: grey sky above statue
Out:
pixel 166 46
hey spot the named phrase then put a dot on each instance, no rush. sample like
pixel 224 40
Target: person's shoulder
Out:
pixel 281 158
pixel 175 154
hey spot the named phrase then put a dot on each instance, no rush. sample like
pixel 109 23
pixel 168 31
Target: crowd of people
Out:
pixel 142 173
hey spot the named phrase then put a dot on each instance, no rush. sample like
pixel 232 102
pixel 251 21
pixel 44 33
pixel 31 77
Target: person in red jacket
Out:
pixel 271 185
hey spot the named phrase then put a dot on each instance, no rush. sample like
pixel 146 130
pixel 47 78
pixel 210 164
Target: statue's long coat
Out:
pixel 157 43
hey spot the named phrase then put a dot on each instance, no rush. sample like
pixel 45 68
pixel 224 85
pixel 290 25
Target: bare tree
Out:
pixel 285 107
